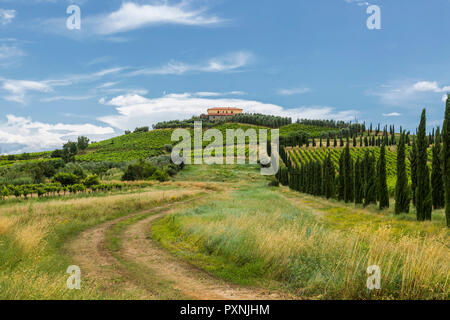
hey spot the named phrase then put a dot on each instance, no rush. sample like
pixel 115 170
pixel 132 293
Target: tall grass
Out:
pixel 259 230
pixel 32 264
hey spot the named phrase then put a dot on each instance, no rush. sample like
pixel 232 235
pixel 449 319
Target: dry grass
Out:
pixel 298 250
pixel 31 237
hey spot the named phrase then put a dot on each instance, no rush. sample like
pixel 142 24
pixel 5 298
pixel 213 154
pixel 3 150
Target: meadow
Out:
pixel 256 235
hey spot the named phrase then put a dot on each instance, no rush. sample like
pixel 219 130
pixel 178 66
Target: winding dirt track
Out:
pixel 141 269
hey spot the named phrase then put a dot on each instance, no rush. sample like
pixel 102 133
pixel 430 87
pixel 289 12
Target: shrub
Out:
pixel 66 179
pixel 91 180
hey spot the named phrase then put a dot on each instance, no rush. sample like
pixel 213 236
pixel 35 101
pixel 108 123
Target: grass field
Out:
pixel 32 237
pixel 244 233
pixel 255 235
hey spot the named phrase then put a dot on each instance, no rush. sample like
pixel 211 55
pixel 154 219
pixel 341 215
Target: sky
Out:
pixel 134 63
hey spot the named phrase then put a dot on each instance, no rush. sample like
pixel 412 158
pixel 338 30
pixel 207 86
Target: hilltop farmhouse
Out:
pixel 221 113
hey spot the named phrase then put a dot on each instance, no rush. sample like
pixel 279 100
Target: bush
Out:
pixel 160 175
pixel 91 180
pixel 66 179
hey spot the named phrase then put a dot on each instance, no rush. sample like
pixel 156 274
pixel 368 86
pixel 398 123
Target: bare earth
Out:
pixel 146 271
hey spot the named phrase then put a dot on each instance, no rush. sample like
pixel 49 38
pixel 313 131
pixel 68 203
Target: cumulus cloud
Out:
pixel 20 134
pixel 134 110
pixel 7 16
pixel 401 93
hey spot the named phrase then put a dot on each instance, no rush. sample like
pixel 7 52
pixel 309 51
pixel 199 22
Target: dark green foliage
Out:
pixel 92 180
pixel 66 179
pixel 413 162
pixel 329 173
pixel 348 175
pixel 141 129
pixel 370 184
pixel 437 181
pixel 359 191
pixel 402 193
pixel 446 158
pixel 139 171
pixel 423 190
pixel 383 194
pixel 70 150
pixel 341 179
pixel 83 143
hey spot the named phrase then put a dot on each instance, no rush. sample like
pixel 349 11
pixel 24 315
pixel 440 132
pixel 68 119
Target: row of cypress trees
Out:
pixel 362 182
pixel 365 181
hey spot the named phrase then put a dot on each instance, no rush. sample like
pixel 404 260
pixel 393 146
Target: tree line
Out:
pixel 364 181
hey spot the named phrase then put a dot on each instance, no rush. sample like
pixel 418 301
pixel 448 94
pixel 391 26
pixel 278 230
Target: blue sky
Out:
pixel 134 63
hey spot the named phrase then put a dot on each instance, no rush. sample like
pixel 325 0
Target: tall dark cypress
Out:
pixel 383 193
pixel 341 181
pixel 359 194
pixel 370 186
pixel 348 175
pixel 437 182
pixel 402 195
pixel 329 177
pixel 413 162
pixel 446 158
pixel 423 190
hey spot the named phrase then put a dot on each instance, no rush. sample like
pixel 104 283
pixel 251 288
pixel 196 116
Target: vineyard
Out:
pixel 302 156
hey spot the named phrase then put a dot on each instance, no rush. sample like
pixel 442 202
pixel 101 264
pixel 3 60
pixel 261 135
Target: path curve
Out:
pixel 100 266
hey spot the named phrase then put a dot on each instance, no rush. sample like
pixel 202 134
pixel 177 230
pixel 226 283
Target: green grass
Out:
pixel 253 236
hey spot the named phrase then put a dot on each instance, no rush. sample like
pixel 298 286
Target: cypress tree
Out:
pixel 329 177
pixel 359 194
pixel 402 196
pixel 413 162
pixel 370 188
pixel 383 193
pixel 437 182
pixel 423 194
pixel 335 142
pixel 446 158
pixel 348 175
pixel 341 181
pixel 328 142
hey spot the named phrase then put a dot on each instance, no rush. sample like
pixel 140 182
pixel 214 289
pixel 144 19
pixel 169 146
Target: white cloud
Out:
pixel 392 114
pixel 133 16
pixel 7 52
pixel 426 86
pixel 401 93
pixel 293 91
pixel 67 98
pixel 134 111
pixel 20 134
pixel 229 62
pixel 18 88
pixel 7 16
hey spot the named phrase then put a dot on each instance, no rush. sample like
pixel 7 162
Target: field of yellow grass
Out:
pixel 32 262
